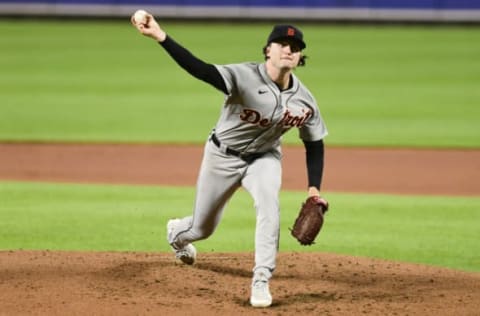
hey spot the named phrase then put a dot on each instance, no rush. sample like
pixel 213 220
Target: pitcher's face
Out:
pixel 284 54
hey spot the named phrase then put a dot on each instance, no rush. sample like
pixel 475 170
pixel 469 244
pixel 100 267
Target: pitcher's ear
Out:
pixel 302 61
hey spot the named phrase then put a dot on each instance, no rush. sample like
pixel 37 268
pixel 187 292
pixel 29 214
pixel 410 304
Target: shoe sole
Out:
pixel 260 303
pixel 187 260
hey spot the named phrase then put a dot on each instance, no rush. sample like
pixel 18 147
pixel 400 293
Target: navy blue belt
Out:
pixel 249 158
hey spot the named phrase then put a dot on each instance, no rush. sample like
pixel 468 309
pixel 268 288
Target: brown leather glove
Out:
pixel 310 220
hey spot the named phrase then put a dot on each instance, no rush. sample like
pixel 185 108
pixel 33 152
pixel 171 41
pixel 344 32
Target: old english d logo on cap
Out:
pixel 291 32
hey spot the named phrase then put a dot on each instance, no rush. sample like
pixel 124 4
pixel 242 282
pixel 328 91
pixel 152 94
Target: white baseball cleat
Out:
pixel 261 296
pixel 187 254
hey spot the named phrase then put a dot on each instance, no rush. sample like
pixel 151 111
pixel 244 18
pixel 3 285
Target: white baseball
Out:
pixel 140 17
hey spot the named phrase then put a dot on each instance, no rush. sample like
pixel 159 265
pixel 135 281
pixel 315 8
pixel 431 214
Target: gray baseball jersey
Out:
pixel 256 114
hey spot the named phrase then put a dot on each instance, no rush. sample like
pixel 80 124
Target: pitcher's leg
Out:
pixel 263 181
pixel 207 213
pixel 218 179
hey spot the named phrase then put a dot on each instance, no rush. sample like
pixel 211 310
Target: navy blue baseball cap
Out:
pixel 288 32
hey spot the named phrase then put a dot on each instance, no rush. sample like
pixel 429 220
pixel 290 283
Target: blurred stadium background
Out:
pixel 316 10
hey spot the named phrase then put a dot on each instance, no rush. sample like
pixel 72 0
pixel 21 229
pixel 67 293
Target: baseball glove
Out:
pixel 310 220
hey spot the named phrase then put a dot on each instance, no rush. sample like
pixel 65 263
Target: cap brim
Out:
pixel 300 43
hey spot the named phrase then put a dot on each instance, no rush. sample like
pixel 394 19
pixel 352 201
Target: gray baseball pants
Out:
pixel 220 176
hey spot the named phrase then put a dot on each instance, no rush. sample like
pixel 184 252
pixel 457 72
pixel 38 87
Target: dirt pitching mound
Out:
pixel 75 283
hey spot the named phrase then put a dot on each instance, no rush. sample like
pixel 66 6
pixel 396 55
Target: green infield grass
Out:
pixel 441 231
pixel 94 81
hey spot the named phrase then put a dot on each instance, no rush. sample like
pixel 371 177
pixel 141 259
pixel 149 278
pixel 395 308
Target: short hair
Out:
pixel 301 62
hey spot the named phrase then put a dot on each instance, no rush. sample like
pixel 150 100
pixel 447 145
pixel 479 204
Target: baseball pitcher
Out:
pixel 262 102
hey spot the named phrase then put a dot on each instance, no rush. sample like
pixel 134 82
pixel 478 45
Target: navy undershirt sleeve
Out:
pixel 315 161
pixel 194 66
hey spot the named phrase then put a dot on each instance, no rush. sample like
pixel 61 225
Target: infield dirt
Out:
pixel 97 283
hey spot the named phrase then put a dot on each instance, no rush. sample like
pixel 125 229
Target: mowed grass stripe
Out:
pixel 440 231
